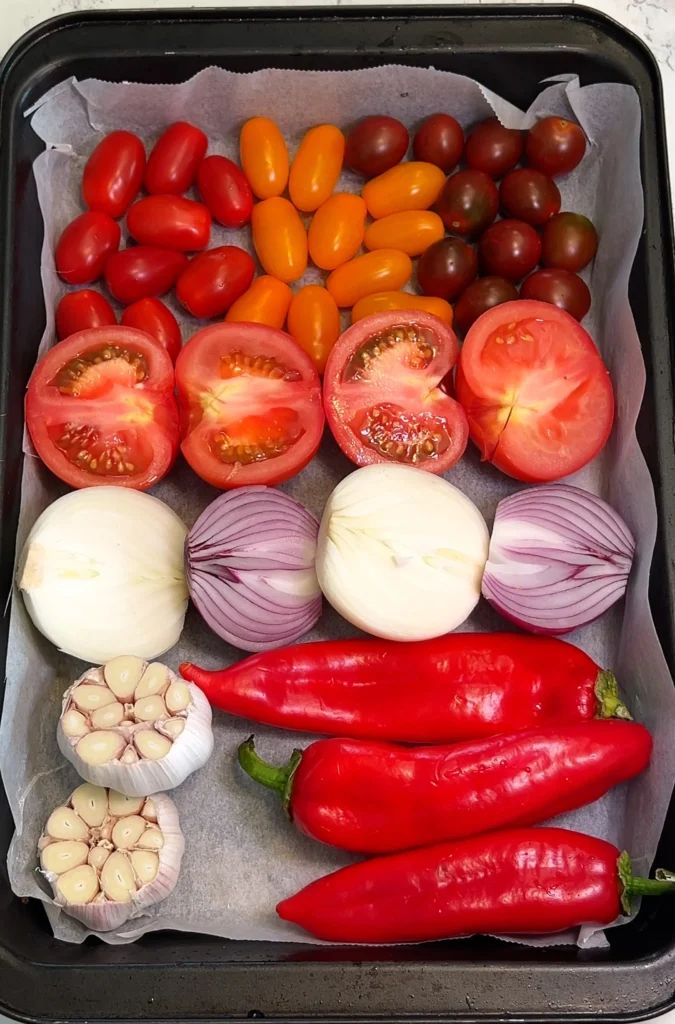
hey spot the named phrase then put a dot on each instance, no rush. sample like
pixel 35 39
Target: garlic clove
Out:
pixel 155 680
pixel 172 728
pixel 152 839
pixel 149 709
pixel 177 697
pixel 98 856
pixel 123 674
pixel 74 723
pixel 107 717
pixel 128 831
pixel 151 745
pixel 145 864
pixel 90 803
pixel 62 856
pixel 129 756
pixel 148 811
pixel 117 878
pixel 78 886
pixel 64 823
pixel 100 747
pixel 122 806
pixel 88 697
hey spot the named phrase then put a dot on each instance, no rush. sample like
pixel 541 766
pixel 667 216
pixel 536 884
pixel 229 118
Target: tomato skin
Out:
pixel 376 271
pixel 375 144
pixel 337 229
pixel 510 248
pixel 446 268
pixel 265 302
pixel 439 140
pixel 258 405
pixel 412 231
pixel 555 145
pixel 142 272
pixel 212 281
pixel 481 295
pixel 279 239
pixel 79 311
pixel 174 159
pixel 492 148
pixel 113 174
pixel 170 222
pixel 468 202
pixel 157 320
pixel 569 241
pixel 264 157
pixel 84 247
pixel 536 391
pixel 316 167
pixel 146 416
pixel 314 322
pixel 225 190
pixel 559 287
pixel 529 195
pixel 411 186
pixel 382 302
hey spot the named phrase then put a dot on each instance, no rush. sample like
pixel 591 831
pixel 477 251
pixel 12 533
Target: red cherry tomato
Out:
pixel 561 288
pixel 510 248
pixel 492 148
pixel 225 190
pixel 157 320
pixel 536 391
pixel 481 295
pixel 251 407
pixel 468 202
pixel 382 392
pixel 171 222
pixel 569 241
pixel 529 195
pixel 446 268
pixel 555 145
pixel 214 279
pixel 113 173
pixel 142 272
pixel 78 311
pixel 100 409
pixel 439 140
pixel 84 247
pixel 174 159
pixel 375 144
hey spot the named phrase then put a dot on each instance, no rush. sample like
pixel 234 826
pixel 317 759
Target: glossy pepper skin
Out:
pixel 520 881
pixel 456 687
pixel 371 797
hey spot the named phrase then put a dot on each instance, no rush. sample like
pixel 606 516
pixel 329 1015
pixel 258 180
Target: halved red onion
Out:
pixel 559 557
pixel 250 568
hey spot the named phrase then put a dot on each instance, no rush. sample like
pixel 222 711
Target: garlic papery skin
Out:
pixel 401 552
pixel 134 726
pixel 102 574
pixel 129 858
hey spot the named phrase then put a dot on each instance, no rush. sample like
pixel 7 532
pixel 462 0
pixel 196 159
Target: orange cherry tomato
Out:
pixel 264 157
pixel 265 302
pixel 414 185
pixel 381 302
pixel 316 167
pixel 411 231
pixel 314 322
pixel 279 238
pixel 337 230
pixel 377 271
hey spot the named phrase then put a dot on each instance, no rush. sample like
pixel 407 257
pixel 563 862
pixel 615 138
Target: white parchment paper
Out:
pixel 242 856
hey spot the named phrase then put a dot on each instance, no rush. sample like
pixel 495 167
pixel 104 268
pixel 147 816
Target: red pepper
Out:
pixel 373 797
pixel 455 687
pixel 523 881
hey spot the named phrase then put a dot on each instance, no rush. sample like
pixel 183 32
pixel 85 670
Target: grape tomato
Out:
pixel 414 185
pixel 212 281
pixel 468 202
pixel 337 230
pixel 142 272
pixel 492 148
pixel 157 320
pixel 529 195
pixel 78 311
pixel 510 248
pixel 559 287
pixel 113 174
pixel 314 322
pixel 174 159
pixel 84 246
pixel 265 302
pixel 555 145
pixel 376 271
pixel 446 268
pixel 316 167
pixel 264 157
pixel 279 239
pixel 375 144
pixel 479 296
pixel 171 222
pixel 569 242
pixel 382 302
pixel 439 140
pixel 411 231
pixel 224 188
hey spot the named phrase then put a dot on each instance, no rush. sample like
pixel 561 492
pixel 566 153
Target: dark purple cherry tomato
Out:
pixel 529 195
pixel 113 173
pixel 375 144
pixel 492 148
pixel 141 272
pixel 84 247
pixel 555 145
pixel 214 279
pixel 225 189
pixel 510 248
pixel 157 320
pixel 171 222
pixel 569 241
pixel 446 268
pixel 78 311
pixel 468 202
pixel 482 294
pixel 561 288
pixel 175 157
pixel 439 140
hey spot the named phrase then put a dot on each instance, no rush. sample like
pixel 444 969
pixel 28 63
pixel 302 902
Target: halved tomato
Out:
pixel 250 403
pixel 535 389
pixel 382 392
pixel 100 409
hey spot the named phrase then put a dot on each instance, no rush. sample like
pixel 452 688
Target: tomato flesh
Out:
pixel 536 392
pixel 382 392
pixel 100 409
pixel 250 401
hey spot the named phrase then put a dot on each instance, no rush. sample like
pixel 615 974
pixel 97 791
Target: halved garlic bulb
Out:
pixel 134 726
pixel 108 857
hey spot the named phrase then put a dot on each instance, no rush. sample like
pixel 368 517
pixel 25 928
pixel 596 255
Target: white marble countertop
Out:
pixel 651 20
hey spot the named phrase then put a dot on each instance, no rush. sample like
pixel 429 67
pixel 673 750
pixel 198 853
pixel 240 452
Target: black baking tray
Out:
pixel 172 976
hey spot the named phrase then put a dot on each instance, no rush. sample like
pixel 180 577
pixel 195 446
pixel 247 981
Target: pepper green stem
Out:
pixel 609 701
pixel 632 885
pixel 279 778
